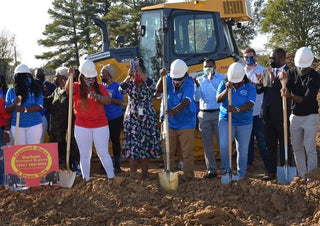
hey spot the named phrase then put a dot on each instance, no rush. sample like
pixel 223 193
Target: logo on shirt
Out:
pixel 244 92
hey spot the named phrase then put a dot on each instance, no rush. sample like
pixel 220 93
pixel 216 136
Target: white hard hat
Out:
pixel 88 69
pixel 110 69
pixel 63 71
pixel 22 68
pixel 303 58
pixel 235 72
pixel 178 69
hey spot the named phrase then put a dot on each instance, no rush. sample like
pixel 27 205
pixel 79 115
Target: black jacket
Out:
pixel 272 100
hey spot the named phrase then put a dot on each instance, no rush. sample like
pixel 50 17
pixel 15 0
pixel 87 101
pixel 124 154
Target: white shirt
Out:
pixel 251 74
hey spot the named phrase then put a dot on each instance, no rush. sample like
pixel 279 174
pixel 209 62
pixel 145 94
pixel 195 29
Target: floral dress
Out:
pixel 141 132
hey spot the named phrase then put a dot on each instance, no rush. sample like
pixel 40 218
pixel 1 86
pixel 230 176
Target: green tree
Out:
pixel 71 34
pixel 292 24
pixel 125 16
pixel 7 52
pixel 249 29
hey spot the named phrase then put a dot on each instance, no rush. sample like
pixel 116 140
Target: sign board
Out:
pixel 31 165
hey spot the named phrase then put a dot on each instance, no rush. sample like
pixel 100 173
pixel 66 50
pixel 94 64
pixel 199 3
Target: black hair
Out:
pixel 20 87
pixel 280 52
pixel 4 84
pixel 141 64
pixel 208 60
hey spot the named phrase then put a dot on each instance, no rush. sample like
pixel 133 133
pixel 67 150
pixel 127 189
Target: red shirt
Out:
pixel 94 115
pixel 3 114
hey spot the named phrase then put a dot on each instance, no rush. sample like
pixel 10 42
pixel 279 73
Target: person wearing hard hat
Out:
pixel 181 112
pixel 57 105
pixel 252 68
pixel 114 112
pixel 243 94
pixel 270 85
pixel 91 123
pixel 141 138
pixel 303 85
pixel 205 87
pixel 25 97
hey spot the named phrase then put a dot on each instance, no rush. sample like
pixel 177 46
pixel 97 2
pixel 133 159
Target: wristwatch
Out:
pixel 237 109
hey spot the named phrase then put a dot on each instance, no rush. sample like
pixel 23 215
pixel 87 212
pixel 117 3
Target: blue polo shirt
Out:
pixel 207 90
pixel 113 111
pixel 186 119
pixel 246 93
pixel 26 119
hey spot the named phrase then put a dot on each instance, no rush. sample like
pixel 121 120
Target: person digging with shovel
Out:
pixel 181 112
pixel 302 88
pixel 243 94
pixel 91 123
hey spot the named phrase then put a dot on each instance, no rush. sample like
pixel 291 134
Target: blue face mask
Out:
pixel 250 61
pixel 207 70
pixel 28 82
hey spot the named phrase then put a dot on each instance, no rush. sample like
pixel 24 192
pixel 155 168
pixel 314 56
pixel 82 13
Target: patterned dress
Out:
pixel 141 132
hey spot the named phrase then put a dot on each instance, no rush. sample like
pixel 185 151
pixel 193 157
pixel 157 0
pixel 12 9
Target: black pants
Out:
pixel 274 136
pixel 115 127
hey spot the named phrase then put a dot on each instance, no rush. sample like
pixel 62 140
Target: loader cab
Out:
pixel 168 34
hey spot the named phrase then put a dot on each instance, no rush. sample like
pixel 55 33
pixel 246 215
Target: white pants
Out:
pixel 28 135
pixel 303 137
pixel 100 137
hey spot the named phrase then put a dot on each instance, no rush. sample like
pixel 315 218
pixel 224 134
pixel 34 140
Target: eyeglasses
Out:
pixel 246 57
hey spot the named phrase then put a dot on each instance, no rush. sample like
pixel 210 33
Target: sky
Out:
pixel 26 20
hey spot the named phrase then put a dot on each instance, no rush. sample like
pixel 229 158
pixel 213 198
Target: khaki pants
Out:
pixel 185 138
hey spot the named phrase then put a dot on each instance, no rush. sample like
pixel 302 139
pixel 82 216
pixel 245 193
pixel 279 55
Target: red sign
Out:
pixel 31 165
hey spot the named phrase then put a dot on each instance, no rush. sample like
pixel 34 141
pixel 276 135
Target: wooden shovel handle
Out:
pixel 166 125
pixel 69 123
pixel 285 115
pixel 230 128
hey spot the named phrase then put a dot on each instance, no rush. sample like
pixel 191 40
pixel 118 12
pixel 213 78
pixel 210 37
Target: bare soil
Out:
pixel 127 200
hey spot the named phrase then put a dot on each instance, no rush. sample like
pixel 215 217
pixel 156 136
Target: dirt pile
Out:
pixel 129 201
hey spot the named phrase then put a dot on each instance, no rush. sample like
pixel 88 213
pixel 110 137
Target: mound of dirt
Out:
pixel 127 200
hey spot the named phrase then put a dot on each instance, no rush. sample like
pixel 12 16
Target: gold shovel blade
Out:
pixel 169 180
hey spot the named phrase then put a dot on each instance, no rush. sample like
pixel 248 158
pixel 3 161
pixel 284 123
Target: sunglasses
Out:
pixel 247 57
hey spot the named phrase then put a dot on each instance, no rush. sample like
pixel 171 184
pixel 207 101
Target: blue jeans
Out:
pixel 1 158
pixel 258 132
pixel 241 134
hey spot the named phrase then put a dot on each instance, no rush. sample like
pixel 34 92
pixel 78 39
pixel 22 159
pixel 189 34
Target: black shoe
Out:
pixel 269 176
pixel 117 169
pixel 102 171
pixel 210 175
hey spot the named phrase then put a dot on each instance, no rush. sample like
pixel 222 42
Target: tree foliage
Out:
pixel 292 24
pixel 249 29
pixel 72 34
pixel 7 52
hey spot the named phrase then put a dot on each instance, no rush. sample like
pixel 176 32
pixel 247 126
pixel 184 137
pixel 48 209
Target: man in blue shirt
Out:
pixel 181 112
pixel 205 90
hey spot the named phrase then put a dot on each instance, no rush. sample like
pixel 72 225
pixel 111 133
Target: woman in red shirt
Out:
pixel 91 123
